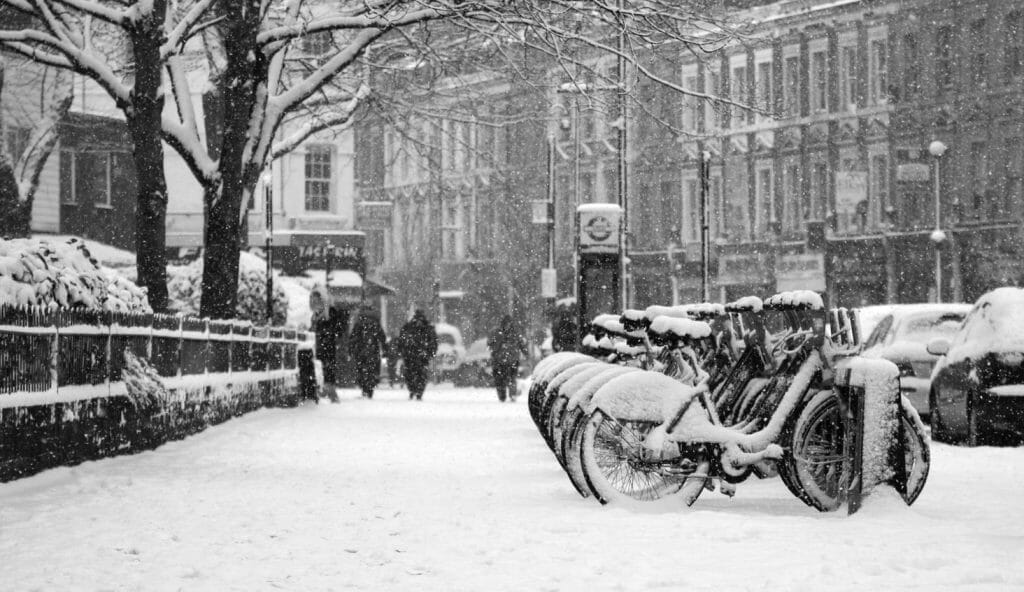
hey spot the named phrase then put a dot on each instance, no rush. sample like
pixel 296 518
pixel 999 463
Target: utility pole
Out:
pixel 705 242
pixel 623 137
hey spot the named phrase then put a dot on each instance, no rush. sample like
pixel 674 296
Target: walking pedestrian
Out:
pixel 417 343
pixel 366 344
pixel 506 345
pixel 563 333
pixel 329 326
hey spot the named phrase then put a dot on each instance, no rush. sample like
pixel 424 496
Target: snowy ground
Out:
pixel 458 492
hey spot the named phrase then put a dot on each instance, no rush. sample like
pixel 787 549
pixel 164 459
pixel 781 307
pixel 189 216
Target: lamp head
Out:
pixel 937 148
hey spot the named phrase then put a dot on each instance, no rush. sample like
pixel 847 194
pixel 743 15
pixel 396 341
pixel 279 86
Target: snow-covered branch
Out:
pixel 187 145
pixel 185 27
pixel 341 115
pixel 338 23
pixel 100 11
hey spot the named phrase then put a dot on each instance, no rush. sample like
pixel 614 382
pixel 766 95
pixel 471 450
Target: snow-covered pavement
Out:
pixel 459 492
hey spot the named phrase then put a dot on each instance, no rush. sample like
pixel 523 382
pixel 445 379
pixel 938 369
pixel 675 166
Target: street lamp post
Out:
pixel 937 149
pixel 268 194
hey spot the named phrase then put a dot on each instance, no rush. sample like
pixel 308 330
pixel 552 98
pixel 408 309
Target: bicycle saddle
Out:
pixel 745 304
pixel 795 300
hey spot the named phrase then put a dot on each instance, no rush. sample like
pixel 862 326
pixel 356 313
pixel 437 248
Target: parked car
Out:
pixel 450 351
pixel 475 369
pixel 902 336
pixel 977 390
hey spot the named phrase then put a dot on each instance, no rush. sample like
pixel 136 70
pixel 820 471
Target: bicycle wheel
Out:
pixel 917 456
pixel 618 468
pixel 818 458
pixel 555 416
pixel 572 436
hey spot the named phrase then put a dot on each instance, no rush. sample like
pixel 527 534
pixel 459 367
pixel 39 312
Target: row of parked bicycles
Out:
pixel 668 402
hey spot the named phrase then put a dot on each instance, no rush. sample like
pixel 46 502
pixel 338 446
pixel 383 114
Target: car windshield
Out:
pixel 922 329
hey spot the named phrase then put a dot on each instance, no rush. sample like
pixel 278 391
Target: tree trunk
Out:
pixel 144 126
pixel 14 221
pixel 241 87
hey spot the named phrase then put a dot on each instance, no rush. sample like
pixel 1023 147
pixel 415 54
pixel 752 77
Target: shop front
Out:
pixel 744 274
pixel 857 272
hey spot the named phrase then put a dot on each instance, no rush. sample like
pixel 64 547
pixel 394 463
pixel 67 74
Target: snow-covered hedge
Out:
pixel 185 289
pixel 57 274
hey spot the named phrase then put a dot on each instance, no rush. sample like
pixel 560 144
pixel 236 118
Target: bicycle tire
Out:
pixel 612 461
pixel 817 455
pixel 571 439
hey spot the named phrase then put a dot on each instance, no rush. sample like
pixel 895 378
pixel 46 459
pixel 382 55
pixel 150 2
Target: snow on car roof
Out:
pixel 995 325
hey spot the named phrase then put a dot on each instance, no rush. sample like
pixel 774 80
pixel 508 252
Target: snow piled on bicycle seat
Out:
pixel 556 381
pixel 581 394
pixel 555 363
pixel 641 396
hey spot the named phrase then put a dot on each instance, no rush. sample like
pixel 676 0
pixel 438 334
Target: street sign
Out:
pixel 542 213
pixel 548 283
pixel 599 228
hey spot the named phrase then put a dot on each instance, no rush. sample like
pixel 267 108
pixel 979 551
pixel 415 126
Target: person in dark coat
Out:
pixel 329 326
pixel 366 344
pixel 417 343
pixel 563 333
pixel 506 344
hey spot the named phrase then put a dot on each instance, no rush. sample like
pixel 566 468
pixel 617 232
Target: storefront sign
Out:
pixel 746 269
pixel 913 172
pixel 800 272
pixel 300 251
pixel 599 228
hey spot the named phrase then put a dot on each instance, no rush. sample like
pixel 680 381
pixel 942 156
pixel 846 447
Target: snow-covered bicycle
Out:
pixel 649 437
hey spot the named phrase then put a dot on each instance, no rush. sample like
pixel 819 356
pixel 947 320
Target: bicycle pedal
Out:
pixel 683 467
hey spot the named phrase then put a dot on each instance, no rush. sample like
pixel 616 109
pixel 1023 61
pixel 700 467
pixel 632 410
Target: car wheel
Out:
pixel 939 432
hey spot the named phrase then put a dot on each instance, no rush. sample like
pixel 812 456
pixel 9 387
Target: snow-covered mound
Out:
pixel 55 274
pixel 185 289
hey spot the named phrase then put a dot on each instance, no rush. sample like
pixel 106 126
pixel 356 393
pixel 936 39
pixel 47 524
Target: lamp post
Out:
pixel 937 149
pixel 268 195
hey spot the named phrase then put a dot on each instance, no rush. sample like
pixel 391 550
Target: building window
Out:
pixel 713 88
pixel 978 49
pixel 791 90
pixel 738 88
pixel 690 104
pixel 819 192
pixel 717 202
pixel 792 210
pixel 944 56
pixel 912 68
pixel 848 78
pixel 610 177
pixel 451 227
pixel 764 89
pixel 1013 40
pixel 878 196
pixel 978 178
pixel 819 81
pixel 691 213
pixel 318 178
pixel 1013 196
pixel 764 202
pixel 16 140
pixel 104 197
pixel 878 69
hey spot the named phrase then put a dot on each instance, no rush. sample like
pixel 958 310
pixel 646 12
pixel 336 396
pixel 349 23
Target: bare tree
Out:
pixel 263 79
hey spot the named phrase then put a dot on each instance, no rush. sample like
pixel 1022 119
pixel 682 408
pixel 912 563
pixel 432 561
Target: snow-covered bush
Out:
pixel 185 290
pixel 59 274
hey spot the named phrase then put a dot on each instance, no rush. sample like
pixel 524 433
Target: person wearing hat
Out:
pixel 417 343
pixel 366 343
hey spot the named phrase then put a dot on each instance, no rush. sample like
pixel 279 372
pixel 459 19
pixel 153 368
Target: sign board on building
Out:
pixel 599 227
pixel 913 172
pixel 851 189
pixel 800 272
pixel 745 269
pixel 542 212
pixel 298 251
pixel 374 214
pixel 548 283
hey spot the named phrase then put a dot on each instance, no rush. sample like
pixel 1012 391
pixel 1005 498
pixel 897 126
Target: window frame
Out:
pixel 311 153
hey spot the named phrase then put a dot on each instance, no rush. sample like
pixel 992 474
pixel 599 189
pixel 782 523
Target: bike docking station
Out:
pixel 669 402
pixel 598 261
pixel 869 400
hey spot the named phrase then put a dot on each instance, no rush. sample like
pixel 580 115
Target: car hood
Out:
pixel 901 351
